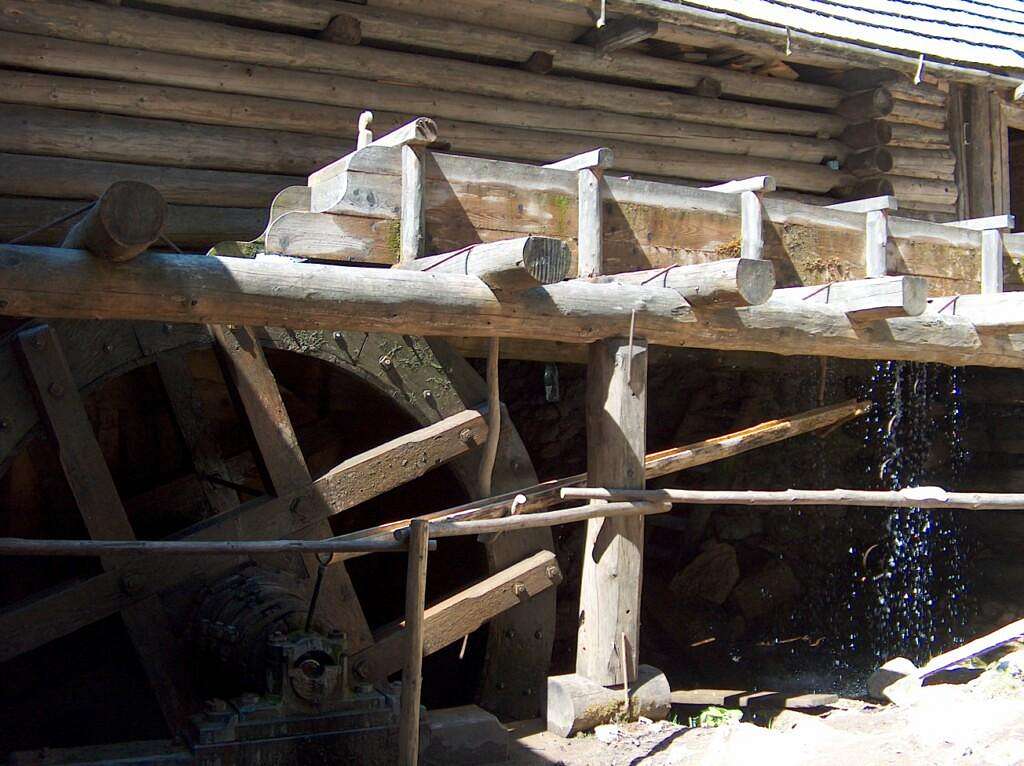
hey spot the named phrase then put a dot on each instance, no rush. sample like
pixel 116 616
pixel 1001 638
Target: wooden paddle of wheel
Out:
pixel 521 628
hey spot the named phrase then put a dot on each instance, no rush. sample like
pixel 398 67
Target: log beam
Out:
pixel 730 282
pixel 865 300
pixel 507 265
pixel 126 219
pixel 197 289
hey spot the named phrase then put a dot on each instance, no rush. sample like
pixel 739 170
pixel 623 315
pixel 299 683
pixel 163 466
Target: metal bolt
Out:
pixel 515 464
pixel 57 389
pixel 108 347
pixel 552 572
pixel 510 633
pixel 465 436
pixel 501 686
pixel 168 329
pixel 337 336
pixel 39 342
pixel 528 692
pixel 428 395
pixel 539 635
pixel 4 424
pixel 385 361
pixel 519 589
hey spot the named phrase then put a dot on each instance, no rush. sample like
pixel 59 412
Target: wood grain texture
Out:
pixel 612 577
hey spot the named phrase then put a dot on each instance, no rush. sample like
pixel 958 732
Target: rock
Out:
pixel 711 575
pixel 738 524
pixel 759 594
pixel 465 735
pixel 607 733
pixel 894 682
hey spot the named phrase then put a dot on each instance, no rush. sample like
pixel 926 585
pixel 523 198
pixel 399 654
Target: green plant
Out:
pixel 713 716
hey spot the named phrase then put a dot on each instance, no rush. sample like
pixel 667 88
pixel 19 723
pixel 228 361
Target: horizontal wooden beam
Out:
pixel 869 205
pixel 865 300
pixel 505 265
pixel 1001 222
pixel 991 313
pixel 755 184
pixel 618 34
pixel 914 497
pixel 208 289
pixel 594 159
pixel 730 282
pixel 460 614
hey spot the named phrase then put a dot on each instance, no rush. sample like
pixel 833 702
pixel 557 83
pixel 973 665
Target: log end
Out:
pixel 343 29
pixel 547 259
pixel 125 220
pixel 915 295
pixel 755 281
pixel 425 130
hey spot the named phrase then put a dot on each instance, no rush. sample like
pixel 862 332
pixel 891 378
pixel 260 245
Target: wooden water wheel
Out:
pixel 348 440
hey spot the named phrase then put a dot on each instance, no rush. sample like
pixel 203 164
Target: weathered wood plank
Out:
pixel 460 614
pixel 412 668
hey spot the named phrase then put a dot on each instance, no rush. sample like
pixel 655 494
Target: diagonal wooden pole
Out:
pixel 412 672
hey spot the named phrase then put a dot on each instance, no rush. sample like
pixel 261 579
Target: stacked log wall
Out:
pixel 221 104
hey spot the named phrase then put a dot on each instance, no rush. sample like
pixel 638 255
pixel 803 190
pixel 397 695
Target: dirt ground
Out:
pixel 978 722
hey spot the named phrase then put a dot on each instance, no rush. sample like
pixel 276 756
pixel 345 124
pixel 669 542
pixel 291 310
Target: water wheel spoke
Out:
pixel 100 505
pixel 255 389
pixel 207 460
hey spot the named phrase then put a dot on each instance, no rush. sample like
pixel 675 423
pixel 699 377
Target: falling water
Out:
pixel 913 575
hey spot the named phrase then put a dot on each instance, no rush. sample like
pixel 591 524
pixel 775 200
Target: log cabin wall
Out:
pixel 221 104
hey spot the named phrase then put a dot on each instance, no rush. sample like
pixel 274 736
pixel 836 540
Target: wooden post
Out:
pixel 412 673
pixel 414 182
pixel 590 167
pixel 751 212
pixel 613 553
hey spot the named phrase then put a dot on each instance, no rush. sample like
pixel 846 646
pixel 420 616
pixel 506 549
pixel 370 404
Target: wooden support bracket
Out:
pixel 751 211
pixel 991 228
pixel 730 282
pixel 865 300
pixel 590 167
pixel 876 231
pixel 507 265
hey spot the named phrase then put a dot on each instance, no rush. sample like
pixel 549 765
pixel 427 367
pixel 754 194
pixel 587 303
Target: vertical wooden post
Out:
pixel 590 256
pixel 613 553
pixel 991 261
pixel 876 243
pixel 751 225
pixel 414 182
pixel 412 673
pixel 589 167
